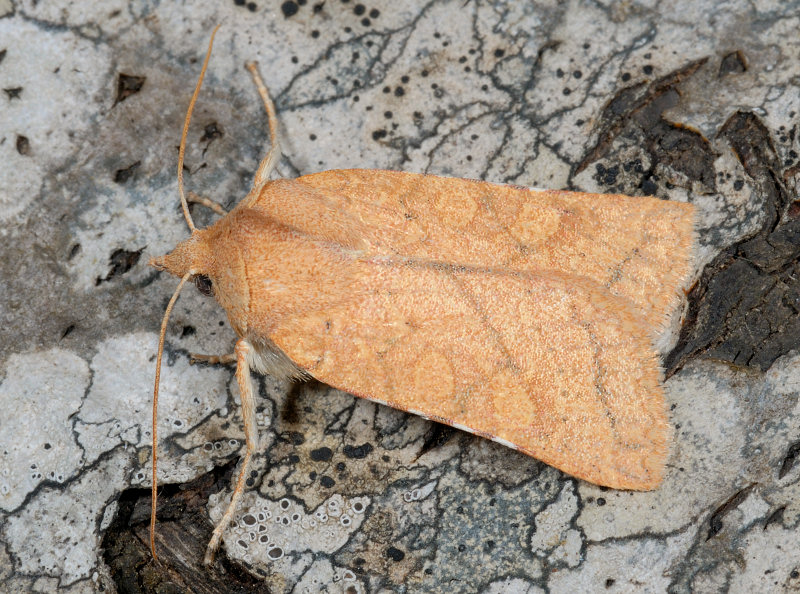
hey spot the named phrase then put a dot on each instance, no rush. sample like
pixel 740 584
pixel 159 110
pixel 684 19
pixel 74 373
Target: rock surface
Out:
pixel 688 101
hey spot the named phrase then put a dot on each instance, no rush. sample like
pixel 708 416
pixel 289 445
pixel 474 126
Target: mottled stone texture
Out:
pixel 688 101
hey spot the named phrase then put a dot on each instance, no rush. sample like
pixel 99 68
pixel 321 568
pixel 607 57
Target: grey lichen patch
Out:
pixel 279 539
pixel 75 446
pixel 44 390
pixel 553 536
pixel 644 563
pixel 118 401
pixel 513 586
pixel 324 577
pixel 27 64
pixel 70 516
pixel 489 528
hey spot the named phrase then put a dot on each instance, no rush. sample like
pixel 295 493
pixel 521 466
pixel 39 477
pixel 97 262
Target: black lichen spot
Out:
pixel 606 176
pixel 577 74
pixel 733 63
pixel 318 7
pixel 499 53
pixel 359 9
pixel 128 85
pixel 647 69
pixel 649 187
pixel 275 553
pixel 47 446
pixel 610 582
pixel 789 459
pixel 775 517
pixel 23 145
pixel 294 437
pixel 13 92
pixel 251 6
pixel 121 261
pixel 211 132
pixel 634 165
pixel 601 501
pixel 626 76
pixel 378 134
pixel 395 554
pixel 323 454
pixel 327 481
pixel 123 175
pixel 738 184
pixel 358 452
pixel 399 91
pixel 188 331
pixel 715 524
pixel 289 9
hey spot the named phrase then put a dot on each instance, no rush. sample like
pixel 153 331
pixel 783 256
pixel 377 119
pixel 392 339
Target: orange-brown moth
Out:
pixel 520 315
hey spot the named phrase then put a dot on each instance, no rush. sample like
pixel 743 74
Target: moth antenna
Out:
pixel 161 337
pixel 268 162
pixel 182 149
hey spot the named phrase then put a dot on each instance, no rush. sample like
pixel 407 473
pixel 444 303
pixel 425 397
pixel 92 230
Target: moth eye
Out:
pixel 204 285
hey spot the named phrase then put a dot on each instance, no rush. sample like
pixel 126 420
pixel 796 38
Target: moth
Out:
pixel 523 316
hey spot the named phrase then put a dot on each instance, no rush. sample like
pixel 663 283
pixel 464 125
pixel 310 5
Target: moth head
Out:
pixel 189 256
pixel 210 259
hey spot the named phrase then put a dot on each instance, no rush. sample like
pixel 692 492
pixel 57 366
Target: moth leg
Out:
pixel 207 202
pixel 268 162
pixel 251 437
pixel 212 359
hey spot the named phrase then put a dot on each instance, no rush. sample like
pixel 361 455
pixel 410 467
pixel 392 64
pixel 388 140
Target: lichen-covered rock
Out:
pixel 685 101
